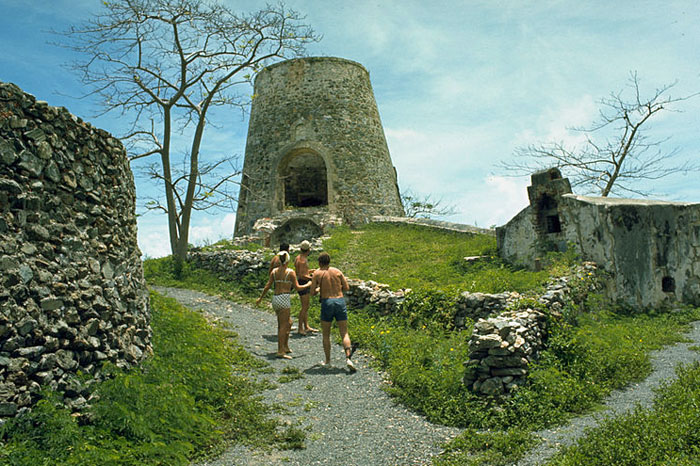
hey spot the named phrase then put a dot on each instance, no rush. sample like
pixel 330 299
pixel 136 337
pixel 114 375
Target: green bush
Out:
pixel 194 393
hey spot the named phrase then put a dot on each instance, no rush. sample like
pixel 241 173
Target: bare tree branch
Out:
pixel 163 64
pixel 607 164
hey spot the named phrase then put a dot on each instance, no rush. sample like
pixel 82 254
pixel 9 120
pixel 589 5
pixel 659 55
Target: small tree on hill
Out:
pixel 165 64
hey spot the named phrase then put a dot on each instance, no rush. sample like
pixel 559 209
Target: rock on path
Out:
pixel 352 420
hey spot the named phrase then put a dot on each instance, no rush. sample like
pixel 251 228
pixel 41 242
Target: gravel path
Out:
pixel 664 362
pixel 352 420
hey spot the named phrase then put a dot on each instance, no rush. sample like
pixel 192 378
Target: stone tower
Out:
pixel 316 152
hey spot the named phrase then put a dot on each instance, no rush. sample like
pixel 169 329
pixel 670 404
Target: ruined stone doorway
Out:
pixel 304 179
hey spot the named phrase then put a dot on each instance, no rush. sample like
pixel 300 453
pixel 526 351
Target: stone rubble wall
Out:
pixel 231 264
pixel 72 292
pixel 504 341
pixel 502 346
pixel 370 293
pixel 475 306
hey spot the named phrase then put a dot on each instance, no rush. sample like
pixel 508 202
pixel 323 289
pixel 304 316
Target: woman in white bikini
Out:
pixel 284 279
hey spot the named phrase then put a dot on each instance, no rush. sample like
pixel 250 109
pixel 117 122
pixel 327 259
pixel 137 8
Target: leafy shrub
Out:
pixel 486 448
pixel 429 308
pixel 194 392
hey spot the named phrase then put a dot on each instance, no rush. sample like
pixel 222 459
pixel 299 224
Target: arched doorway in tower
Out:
pixel 304 179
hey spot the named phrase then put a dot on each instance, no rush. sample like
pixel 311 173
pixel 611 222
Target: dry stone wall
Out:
pixel 72 292
pixel 506 339
pixel 503 346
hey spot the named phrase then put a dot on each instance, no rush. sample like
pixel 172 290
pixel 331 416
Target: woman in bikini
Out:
pixel 284 279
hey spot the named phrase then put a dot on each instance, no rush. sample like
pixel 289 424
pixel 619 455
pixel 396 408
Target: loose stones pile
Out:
pixel 229 264
pixel 72 293
pixel 371 293
pixel 479 305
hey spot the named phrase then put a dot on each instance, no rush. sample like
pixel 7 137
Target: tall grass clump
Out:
pixel 194 393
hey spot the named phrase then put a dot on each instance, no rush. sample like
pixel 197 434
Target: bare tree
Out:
pixel 417 206
pixel 165 64
pixel 617 154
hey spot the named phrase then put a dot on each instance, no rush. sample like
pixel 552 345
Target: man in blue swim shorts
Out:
pixel 330 283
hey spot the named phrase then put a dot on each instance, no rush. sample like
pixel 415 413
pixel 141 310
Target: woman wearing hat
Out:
pixel 284 279
pixel 301 265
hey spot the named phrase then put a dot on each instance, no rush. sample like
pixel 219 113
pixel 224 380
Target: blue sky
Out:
pixel 459 84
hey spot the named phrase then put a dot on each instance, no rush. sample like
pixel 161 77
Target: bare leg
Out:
pixel 326 328
pixel 283 325
pixel 304 315
pixel 343 329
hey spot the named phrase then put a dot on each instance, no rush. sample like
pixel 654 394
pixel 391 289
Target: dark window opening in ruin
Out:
pixel 553 224
pixel 547 203
pixel 305 181
pixel 668 285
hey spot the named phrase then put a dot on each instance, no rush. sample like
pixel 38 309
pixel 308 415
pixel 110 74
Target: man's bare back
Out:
pixel 331 282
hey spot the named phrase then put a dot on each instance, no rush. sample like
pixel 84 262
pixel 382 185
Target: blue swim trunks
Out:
pixel 333 308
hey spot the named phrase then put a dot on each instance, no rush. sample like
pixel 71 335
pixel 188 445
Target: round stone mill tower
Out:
pixel 316 153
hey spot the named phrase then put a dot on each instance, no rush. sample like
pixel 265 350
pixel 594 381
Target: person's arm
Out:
pixel 265 290
pixel 296 284
pixel 314 284
pixel 344 282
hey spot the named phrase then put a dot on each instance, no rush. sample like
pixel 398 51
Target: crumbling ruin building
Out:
pixel 651 248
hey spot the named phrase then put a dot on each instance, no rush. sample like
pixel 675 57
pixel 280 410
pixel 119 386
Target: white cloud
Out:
pixel 493 201
pixel 154 240
pixel 555 124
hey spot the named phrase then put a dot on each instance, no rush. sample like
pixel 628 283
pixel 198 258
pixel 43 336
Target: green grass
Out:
pixel 591 351
pixel 191 398
pixel 410 256
pixel 666 434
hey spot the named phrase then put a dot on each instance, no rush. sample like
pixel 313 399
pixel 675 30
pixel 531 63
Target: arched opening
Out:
pixel 548 214
pixel 295 231
pixel 305 179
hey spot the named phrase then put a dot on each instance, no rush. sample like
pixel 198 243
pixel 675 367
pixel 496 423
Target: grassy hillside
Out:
pixel 589 354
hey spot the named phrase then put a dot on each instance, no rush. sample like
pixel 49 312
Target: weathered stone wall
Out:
pixel 650 248
pixel 316 115
pixel 504 345
pixel 436 224
pixel 229 264
pixel 72 293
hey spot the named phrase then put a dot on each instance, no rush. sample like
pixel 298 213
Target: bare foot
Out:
pixel 284 356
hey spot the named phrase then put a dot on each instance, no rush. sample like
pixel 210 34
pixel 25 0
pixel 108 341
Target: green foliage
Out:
pixel 429 308
pixel 290 374
pixel 191 395
pixel 417 257
pixel 668 433
pixel 474 448
pixel 162 272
